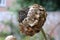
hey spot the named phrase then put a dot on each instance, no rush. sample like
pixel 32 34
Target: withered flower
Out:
pixel 32 19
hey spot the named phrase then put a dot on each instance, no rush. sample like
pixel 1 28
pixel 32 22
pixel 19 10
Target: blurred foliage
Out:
pixel 50 5
pixel 4 34
pixel 2 38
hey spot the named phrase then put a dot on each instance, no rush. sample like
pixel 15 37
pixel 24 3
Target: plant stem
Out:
pixel 43 32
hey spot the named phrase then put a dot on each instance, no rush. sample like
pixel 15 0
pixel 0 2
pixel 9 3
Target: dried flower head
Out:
pixel 32 19
pixel 10 37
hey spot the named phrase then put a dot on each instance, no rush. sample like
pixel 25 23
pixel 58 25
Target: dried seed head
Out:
pixel 36 12
pixel 10 37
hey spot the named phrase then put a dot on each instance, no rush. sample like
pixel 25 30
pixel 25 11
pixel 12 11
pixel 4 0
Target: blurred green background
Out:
pixel 50 5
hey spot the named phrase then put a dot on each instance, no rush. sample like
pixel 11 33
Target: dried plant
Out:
pixel 30 14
